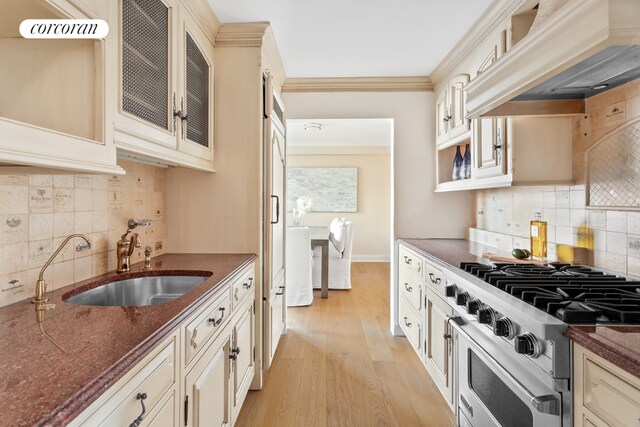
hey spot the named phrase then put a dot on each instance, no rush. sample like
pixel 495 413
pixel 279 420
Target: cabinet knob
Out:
pixel 407 323
pixel 407 287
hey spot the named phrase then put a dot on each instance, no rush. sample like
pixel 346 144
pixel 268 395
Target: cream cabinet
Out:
pixel 207 394
pixel 242 356
pixel 410 289
pixel 451 122
pixel 423 315
pixel 489 147
pixel 504 151
pixel 165 81
pixel 439 344
pixel 52 108
pixel 199 376
pixel 147 390
pixel 604 394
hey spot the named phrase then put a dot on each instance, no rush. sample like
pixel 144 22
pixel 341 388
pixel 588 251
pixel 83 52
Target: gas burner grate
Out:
pixel 574 294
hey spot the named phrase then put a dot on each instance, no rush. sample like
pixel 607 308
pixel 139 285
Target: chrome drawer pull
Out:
pixel 407 323
pixel 407 287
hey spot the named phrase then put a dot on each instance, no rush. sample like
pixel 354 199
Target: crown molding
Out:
pixel 496 13
pixel 204 15
pixel 241 35
pixel 358 84
pixel 272 60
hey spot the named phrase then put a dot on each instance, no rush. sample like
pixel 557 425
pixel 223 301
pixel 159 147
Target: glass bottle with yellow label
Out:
pixel 539 238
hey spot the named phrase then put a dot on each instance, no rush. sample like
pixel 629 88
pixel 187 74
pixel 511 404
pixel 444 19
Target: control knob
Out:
pixel 473 306
pixel 528 344
pixel 450 290
pixel 486 316
pixel 504 327
pixel 462 297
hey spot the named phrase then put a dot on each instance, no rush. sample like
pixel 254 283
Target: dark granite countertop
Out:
pixel 451 251
pixel 51 371
pixel 619 345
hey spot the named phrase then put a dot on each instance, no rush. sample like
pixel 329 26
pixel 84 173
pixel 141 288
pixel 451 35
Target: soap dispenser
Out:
pixel 539 237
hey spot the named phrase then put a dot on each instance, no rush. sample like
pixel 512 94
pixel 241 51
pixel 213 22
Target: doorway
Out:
pixel 343 168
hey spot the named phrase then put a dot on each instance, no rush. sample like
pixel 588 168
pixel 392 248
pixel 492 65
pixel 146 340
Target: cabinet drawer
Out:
pixel 154 379
pixel 243 287
pixel 411 326
pixel 435 279
pixel 409 261
pixel 613 397
pixel 199 330
pixel 410 289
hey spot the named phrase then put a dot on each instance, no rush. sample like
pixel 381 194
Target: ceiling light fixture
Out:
pixel 313 126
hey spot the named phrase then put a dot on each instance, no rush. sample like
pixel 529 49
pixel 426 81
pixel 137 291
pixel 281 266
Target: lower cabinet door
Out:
pixel 277 322
pixel 439 345
pixel 243 366
pixel 207 387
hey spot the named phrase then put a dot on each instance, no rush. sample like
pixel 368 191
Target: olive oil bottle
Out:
pixel 539 238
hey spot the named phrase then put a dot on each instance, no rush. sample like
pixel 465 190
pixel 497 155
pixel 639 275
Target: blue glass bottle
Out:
pixel 457 165
pixel 466 163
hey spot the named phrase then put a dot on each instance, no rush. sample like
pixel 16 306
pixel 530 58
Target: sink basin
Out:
pixel 139 291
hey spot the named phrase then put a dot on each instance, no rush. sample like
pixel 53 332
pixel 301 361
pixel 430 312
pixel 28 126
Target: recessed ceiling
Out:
pixel 339 133
pixel 359 38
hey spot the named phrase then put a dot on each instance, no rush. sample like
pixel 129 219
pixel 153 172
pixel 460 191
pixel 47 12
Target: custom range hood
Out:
pixel 584 48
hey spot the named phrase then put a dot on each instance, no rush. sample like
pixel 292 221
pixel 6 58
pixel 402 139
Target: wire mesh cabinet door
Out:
pixel 195 133
pixel 146 70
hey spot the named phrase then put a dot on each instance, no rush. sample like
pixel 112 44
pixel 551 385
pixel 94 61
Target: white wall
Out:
pixel 418 211
pixel 371 221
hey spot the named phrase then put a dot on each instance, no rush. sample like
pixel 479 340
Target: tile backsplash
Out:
pixel 38 211
pixel 502 217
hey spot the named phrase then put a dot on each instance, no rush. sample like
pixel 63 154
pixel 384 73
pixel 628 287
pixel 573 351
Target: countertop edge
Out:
pixel 84 397
pixel 626 362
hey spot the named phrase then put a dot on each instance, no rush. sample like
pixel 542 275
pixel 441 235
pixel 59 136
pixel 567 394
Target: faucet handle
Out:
pixel 133 223
pixel 137 242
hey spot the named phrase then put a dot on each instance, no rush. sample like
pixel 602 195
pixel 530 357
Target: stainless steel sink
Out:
pixel 148 290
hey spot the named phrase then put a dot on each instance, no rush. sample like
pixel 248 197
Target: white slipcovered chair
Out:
pixel 340 245
pixel 298 268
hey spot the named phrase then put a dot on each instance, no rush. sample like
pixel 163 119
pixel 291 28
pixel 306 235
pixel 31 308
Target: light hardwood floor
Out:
pixel 340 366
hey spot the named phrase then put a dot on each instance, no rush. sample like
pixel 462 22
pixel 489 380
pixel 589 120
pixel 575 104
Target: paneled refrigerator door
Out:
pixel 274 315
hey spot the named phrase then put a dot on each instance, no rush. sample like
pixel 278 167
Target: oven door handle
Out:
pixel 546 404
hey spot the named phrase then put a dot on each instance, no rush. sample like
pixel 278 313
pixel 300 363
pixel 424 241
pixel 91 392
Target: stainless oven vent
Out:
pixel 605 70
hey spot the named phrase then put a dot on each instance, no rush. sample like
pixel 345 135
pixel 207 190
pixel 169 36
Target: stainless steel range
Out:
pixel 514 364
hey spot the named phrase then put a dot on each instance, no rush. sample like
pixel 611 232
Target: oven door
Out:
pixel 489 395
